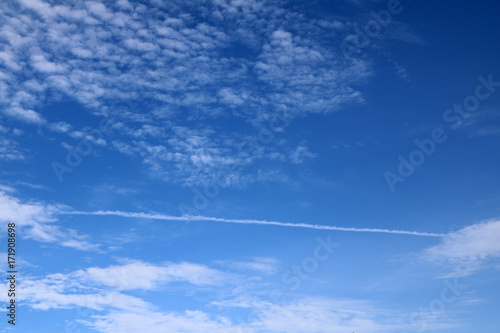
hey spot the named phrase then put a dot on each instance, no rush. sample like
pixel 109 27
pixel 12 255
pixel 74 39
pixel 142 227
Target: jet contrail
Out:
pixel 186 218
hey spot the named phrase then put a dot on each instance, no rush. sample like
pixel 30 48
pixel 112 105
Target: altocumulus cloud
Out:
pixel 178 62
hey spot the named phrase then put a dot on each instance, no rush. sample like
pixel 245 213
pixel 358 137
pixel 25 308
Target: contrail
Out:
pixel 186 218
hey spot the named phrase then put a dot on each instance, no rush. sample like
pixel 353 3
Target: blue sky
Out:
pixel 251 166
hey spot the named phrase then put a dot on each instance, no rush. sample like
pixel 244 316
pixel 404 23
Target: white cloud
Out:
pixel 38 6
pixel 324 315
pixel 5 188
pixel 184 218
pixel 61 127
pixel 156 322
pixel 141 275
pixel 98 54
pixel 108 189
pixel 59 291
pixel 315 315
pixel 99 10
pixel 405 33
pixel 300 154
pixel 101 289
pixel 40 63
pixel 124 313
pixel 38 222
pixel 10 150
pixel 265 265
pixel 27 115
pixel 24 213
pixel 467 249
pixel 227 96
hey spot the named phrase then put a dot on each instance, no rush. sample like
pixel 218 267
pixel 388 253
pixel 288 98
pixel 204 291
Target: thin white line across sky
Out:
pixel 194 218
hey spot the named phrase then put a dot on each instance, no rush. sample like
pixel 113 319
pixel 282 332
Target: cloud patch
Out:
pixel 38 222
pixel 141 275
pixel 467 250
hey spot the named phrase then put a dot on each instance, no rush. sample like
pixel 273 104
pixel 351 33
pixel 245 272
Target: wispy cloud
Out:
pixel 467 250
pixel 102 291
pixel 186 218
pixel 60 291
pixel 146 276
pixel 39 219
pixel 265 265
pixel 10 150
pixel 101 288
pixel 311 314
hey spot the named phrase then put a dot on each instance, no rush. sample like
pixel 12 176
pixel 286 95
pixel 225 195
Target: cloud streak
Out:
pixel 192 218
